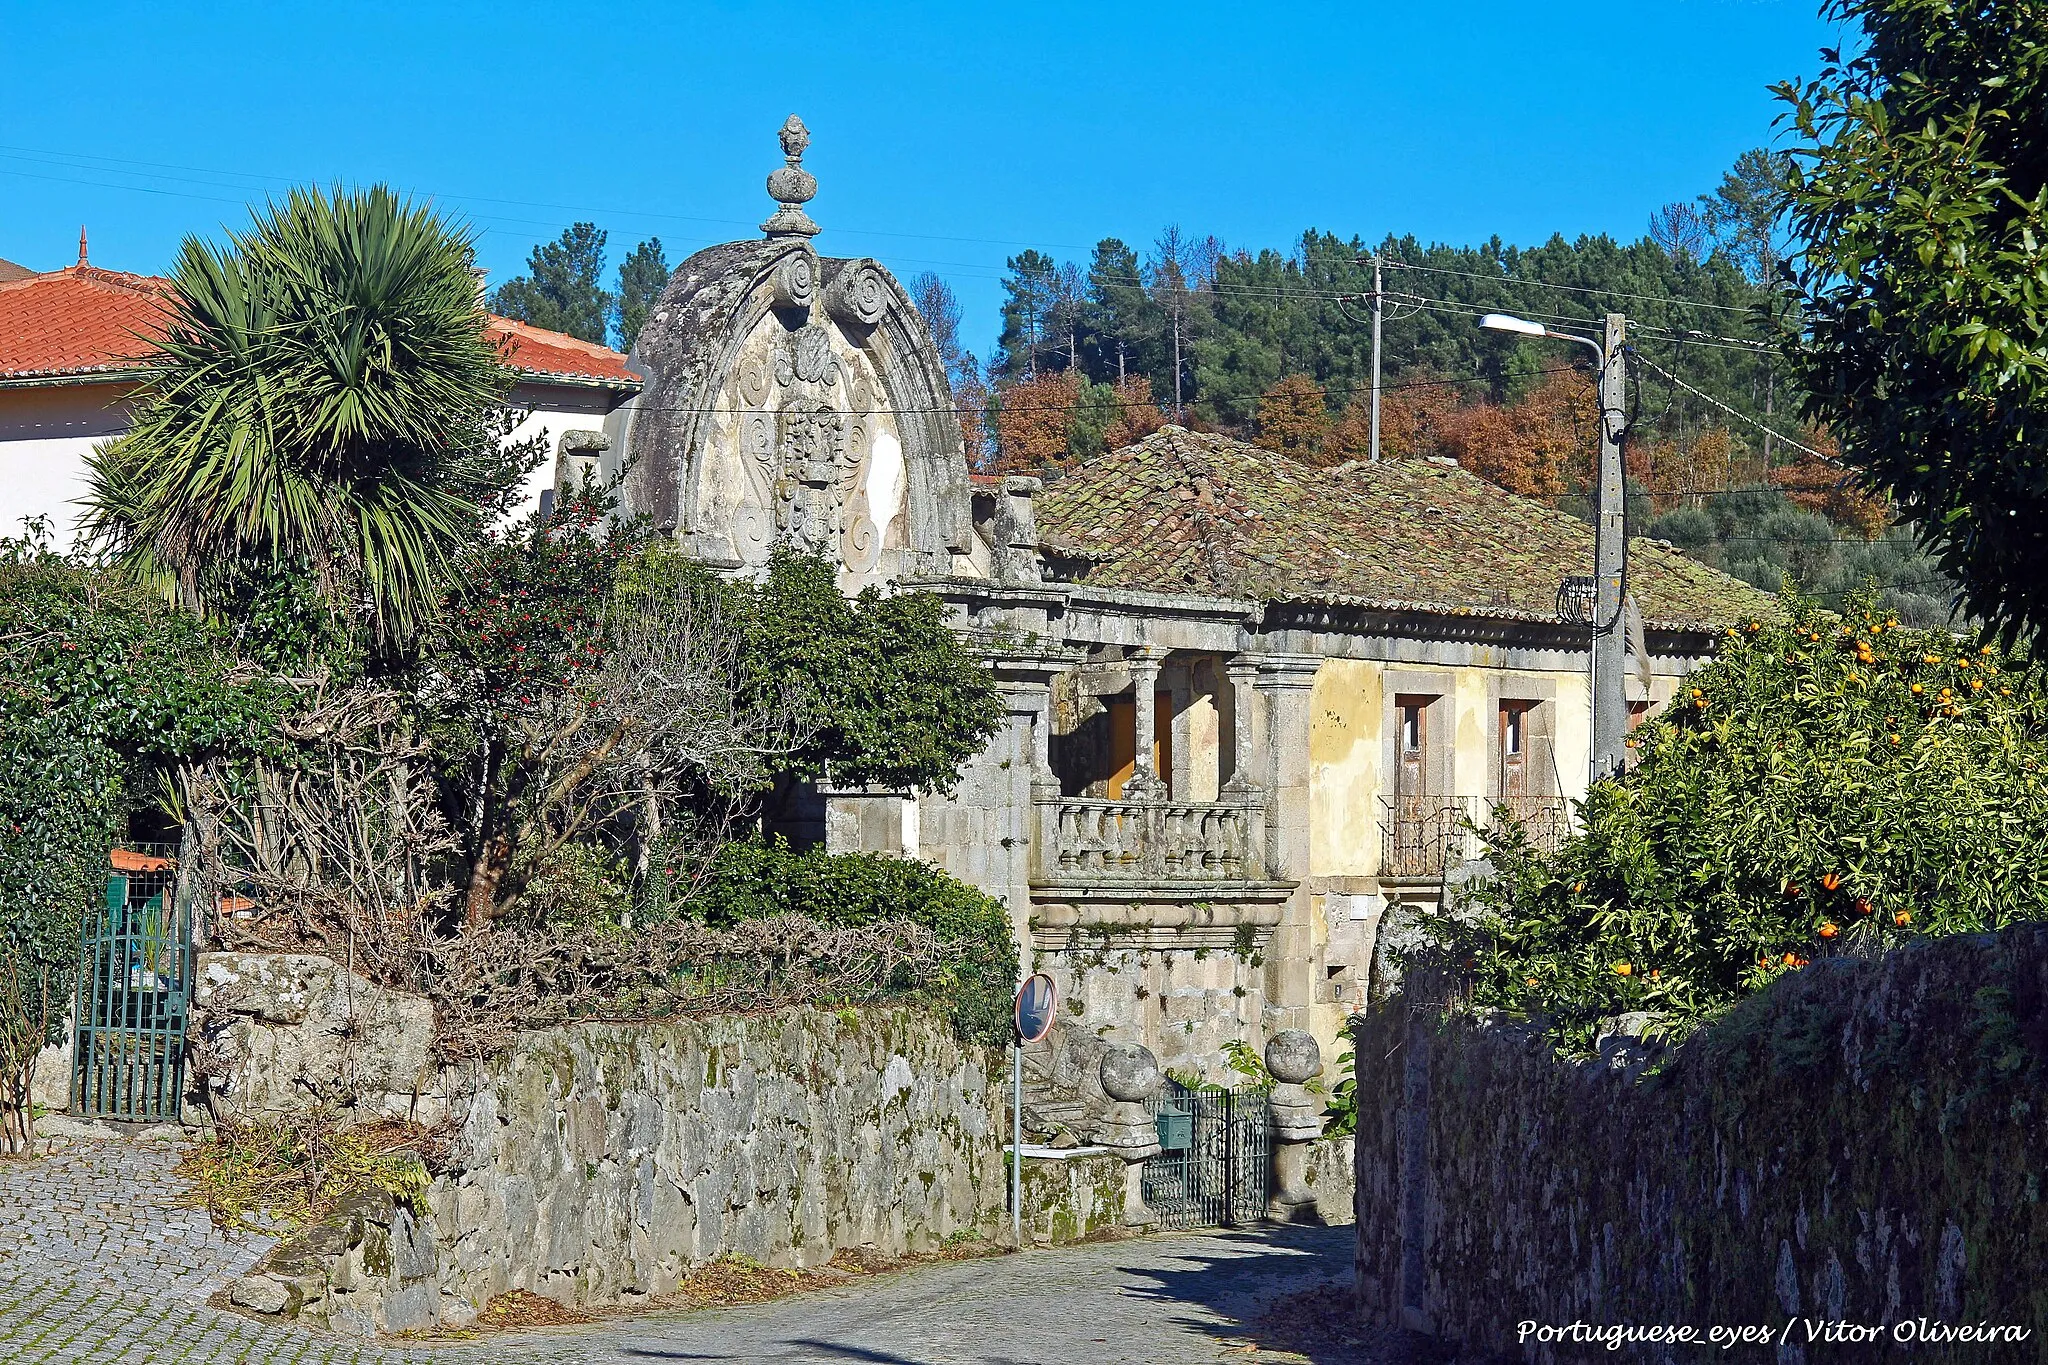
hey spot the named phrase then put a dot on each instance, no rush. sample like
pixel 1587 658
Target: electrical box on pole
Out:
pixel 1610 562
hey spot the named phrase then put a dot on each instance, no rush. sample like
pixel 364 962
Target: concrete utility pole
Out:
pixel 1378 294
pixel 1609 654
pixel 1610 561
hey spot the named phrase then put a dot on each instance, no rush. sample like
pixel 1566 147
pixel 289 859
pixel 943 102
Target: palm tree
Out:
pixel 324 399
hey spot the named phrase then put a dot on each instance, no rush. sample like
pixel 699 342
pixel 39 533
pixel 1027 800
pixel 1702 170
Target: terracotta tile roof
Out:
pixel 1186 512
pixel 80 321
pixel 86 321
pixel 10 271
pixel 557 355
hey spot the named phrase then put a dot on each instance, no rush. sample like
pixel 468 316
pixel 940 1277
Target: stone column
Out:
pixel 1243 672
pixel 1292 1056
pixel 1286 683
pixel 1145 784
pixel 1130 1077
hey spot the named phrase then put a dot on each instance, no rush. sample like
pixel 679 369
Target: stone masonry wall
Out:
pixel 600 1163
pixel 1862 1143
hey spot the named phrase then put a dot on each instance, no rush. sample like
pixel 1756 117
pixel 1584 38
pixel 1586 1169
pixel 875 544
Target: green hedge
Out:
pixel 753 878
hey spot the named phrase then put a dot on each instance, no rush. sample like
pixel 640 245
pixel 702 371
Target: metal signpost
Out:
pixel 1034 1014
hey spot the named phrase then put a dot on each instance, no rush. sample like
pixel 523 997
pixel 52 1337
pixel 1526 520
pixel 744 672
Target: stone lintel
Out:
pixel 1182 917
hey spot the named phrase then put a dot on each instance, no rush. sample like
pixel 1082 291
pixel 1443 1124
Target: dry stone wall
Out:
pixel 600 1163
pixel 1863 1143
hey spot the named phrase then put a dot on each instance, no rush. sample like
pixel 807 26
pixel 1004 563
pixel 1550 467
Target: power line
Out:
pixel 1739 416
pixel 1082 406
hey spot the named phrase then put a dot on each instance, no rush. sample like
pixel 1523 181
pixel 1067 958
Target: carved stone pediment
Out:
pixel 796 397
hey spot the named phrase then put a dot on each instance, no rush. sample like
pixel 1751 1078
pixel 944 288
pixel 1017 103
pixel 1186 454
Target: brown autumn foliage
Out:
pixel 1704 461
pixel 1033 420
pixel 1542 447
pixel 1831 491
pixel 1294 420
pixel 1137 416
pixel 1414 415
pixel 970 406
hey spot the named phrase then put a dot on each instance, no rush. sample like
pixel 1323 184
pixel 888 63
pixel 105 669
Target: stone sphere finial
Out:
pixel 791 185
pixel 1130 1073
pixel 1292 1056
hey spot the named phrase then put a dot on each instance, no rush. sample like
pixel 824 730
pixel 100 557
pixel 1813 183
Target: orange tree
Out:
pixel 1827 783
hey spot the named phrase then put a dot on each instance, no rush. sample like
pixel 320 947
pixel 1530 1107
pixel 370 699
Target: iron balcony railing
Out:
pixel 1422 835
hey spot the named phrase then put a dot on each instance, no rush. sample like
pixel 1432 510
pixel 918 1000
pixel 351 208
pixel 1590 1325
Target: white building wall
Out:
pixel 550 411
pixel 47 433
pixel 45 436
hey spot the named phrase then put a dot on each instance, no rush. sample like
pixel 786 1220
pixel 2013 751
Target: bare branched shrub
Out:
pixel 343 850
pixel 662 734
pixel 488 984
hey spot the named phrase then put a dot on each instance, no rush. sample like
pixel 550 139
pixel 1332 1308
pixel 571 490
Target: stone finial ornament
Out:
pixel 1130 1076
pixel 1293 1056
pixel 791 185
pixel 1129 1073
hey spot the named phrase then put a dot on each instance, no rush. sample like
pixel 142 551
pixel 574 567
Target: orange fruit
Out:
pixel 1829 930
pixel 1903 918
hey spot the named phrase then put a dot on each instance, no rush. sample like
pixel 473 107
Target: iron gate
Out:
pixel 1215 1163
pixel 134 990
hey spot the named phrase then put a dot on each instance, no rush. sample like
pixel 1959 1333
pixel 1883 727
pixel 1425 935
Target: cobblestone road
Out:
pixel 98 1265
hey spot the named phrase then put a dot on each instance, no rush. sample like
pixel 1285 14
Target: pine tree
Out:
pixel 642 276
pixel 561 289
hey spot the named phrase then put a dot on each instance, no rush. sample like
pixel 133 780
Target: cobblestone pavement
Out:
pixel 1159 1300
pixel 98 1265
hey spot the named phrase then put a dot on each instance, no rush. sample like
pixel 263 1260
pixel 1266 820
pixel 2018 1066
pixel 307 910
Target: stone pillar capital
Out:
pixel 1284 672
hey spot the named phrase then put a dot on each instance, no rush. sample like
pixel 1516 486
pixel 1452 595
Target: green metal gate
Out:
pixel 1215 1164
pixel 134 991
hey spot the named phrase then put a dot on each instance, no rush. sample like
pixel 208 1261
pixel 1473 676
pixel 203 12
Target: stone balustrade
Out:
pixel 1082 838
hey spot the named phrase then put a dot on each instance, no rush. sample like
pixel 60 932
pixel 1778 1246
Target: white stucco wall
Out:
pixel 550 411
pixel 45 436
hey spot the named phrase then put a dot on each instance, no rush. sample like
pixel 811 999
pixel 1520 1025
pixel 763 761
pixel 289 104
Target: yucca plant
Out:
pixel 323 400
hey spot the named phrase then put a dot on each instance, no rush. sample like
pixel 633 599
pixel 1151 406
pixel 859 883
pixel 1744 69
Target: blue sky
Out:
pixel 946 137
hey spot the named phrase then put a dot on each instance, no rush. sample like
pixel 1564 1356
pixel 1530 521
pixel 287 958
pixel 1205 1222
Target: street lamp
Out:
pixel 1508 322
pixel 1610 542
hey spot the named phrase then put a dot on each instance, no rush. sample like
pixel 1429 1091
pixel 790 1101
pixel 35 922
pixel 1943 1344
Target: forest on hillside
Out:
pixel 1275 347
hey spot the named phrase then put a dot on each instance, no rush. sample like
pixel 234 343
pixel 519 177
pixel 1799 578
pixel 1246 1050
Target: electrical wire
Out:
pixel 1738 416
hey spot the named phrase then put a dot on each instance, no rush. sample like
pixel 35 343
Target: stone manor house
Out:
pixel 1252 703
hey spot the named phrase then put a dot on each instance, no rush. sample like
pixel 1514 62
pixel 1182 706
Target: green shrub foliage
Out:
pixel 1828 783
pixel 101 691
pixel 897 700
pixel 753 878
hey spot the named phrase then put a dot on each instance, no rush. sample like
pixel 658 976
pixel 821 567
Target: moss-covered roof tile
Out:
pixel 1192 512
